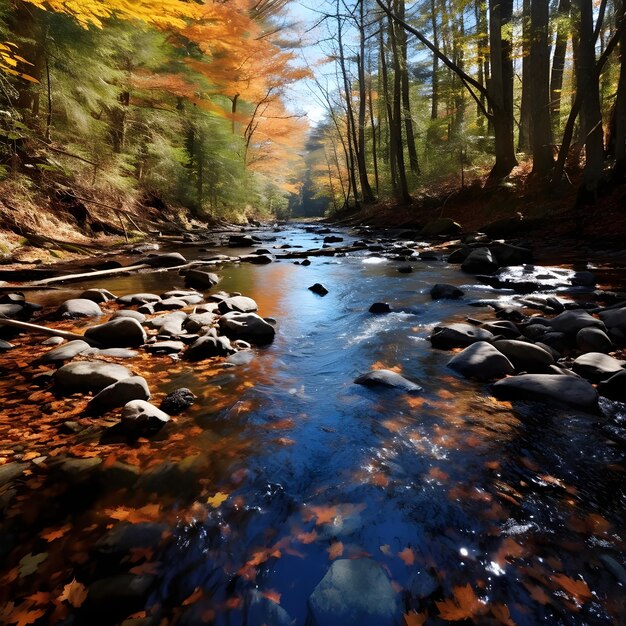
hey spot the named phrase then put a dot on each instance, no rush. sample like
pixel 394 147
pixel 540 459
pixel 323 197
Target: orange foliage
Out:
pixel 463 605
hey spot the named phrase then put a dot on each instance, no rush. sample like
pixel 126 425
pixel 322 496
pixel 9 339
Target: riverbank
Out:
pixel 277 470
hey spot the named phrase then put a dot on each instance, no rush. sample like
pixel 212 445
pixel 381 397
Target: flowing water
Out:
pixel 299 466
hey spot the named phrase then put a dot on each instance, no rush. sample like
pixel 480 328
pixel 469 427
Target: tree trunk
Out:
pixel 482 60
pixel 525 142
pixel 501 83
pixel 540 67
pixel 391 135
pixel 590 115
pixel 434 109
pixel 406 97
pixel 619 117
pixel 558 63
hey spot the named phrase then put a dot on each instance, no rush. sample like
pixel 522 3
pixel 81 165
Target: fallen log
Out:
pixel 89 275
pixel 44 330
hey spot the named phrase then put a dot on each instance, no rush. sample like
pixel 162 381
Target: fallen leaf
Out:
pixel 75 593
pixel 22 615
pixel 578 589
pixel 218 499
pixel 31 562
pixel 272 595
pixel 502 614
pixel 307 538
pixel 407 556
pixel 464 605
pixel 335 550
pixel 51 534
pixel 414 619
pixel 40 598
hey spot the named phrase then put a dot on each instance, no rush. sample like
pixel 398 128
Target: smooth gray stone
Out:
pixel 481 361
pixel 571 322
pixel 247 326
pixel 66 351
pixel 122 332
pixel 596 366
pixel 97 295
pixel 141 417
pixel 78 307
pixel 89 375
pixel 563 389
pixel 480 261
pixel 119 393
pixel 354 592
pixel 458 336
pixel 138 298
pixel 387 378
pixel 593 340
pixel 170 259
pixel 525 356
pixel 53 341
pixel 201 280
pixel 238 303
pixel 209 346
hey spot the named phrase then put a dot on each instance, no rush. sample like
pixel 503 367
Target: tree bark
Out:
pixel 525 142
pixel 619 116
pixel 558 63
pixel 540 67
pixel 434 108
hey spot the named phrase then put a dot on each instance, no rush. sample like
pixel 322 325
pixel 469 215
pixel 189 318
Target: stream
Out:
pixel 284 466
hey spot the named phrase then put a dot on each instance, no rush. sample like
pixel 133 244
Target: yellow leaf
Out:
pixel 75 593
pixel 217 499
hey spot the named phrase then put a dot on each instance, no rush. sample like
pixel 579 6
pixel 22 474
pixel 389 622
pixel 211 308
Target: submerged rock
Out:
pixel 354 591
pixel 481 361
pixel 443 291
pixel 387 378
pixel 66 351
pixel 559 388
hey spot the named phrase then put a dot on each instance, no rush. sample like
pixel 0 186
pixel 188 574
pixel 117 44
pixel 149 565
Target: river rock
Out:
pixel 89 375
pixel 525 356
pixel 247 326
pixel 257 259
pixel 53 341
pixel 387 378
pixel 97 295
pixel 200 279
pixel 209 346
pixel 238 303
pixel 481 361
pixel 405 269
pixel 240 241
pixel 354 591
pixel 615 320
pixel 11 471
pixel 458 336
pixel 557 341
pixel 570 322
pixel 122 332
pixel 243 357
pixel 170 259
pixel 140 317
pixel 119 393
pixel 165 347
pixel 506 254
pixel 138 298
pixel 504 328
pixel 443 291
pixel 596 366
pixel 78 307
pixel 548 387
pixel 480 261
pixel 319 289
pixel 66 351
pixel 614 387
pixel 441 226
pixel 116 353
pixel 178 401
pixel 380 307
pixel 197 321
pixel 593 340
pixel 332 239
pixel 458 255
pixel 141 417
pixel 583 279
pixel 170 304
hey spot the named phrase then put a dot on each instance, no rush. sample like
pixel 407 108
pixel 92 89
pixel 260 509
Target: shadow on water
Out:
pixel 444 489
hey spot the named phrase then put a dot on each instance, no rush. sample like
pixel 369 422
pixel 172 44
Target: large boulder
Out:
pixel 198 279
pixel 525 356
pixel 238 303
pixel 596 366
pixel 458 336
pixel 441 226
pixel 66 351
pixel 247 326
pixel 170 259
pixel 387 378
pixel 480 261
pixel 93 376
pixel 558 388
pixel 209 346
pixel 593 340
pixel 142 418
pixel 119 393
pixel 354 591
pixel 571 322
pixel 78 307
pixel 122 332
pixel 481 361
pixel 443 291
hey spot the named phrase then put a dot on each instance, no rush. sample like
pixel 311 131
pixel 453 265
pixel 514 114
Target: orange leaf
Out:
pixel 578 589
pixel 464 605
pixel 335 550
pixel 272 595
pixel 501 613
pixel 75 593
pixel 22 615
pixel 407 556
pixel 55 533
pixel 414 619
pixel 307 537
